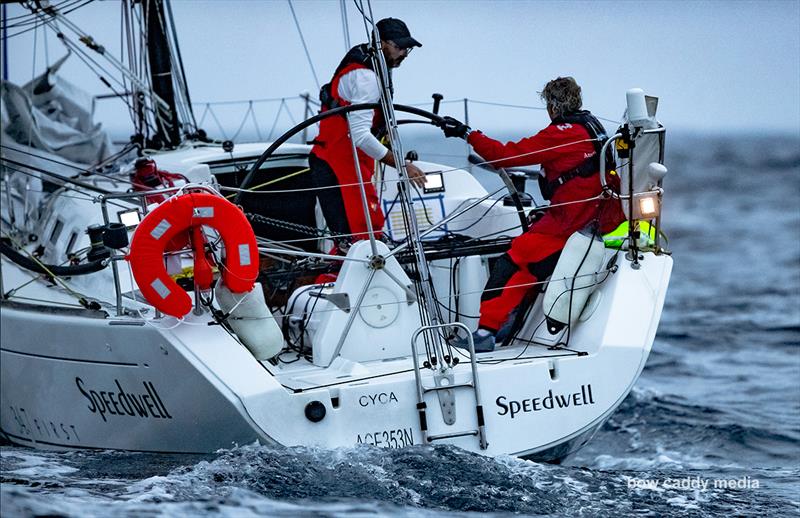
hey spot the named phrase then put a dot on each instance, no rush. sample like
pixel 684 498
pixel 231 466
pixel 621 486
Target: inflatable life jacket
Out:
pixel 333 131
pixel 589 166
pixel 359 56
pixel 187 214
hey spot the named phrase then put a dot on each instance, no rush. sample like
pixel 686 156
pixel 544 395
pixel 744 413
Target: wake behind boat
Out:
pixel 144 310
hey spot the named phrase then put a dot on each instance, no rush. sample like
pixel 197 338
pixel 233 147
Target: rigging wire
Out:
pixel 345 27
pixel 94 66
pixel 33 73
pixel 315 79
pixel 384 81
pixel 82 170
pixel 139 41
pixel 362 12
pixel 29 17
pixel 34 17
pixel 158 106
pixel 182 75
pixel 46 50
pixel 606 271
pixel 303 41
pixel 595 274
pixel 81 298
pixel 80 195
pixel 523 107
pixel 112 178
pixel 250 101
pixel 124 32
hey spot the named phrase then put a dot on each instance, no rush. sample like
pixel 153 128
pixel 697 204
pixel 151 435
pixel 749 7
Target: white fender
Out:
pixel 251 320
pixel 572 282
pixel 471 280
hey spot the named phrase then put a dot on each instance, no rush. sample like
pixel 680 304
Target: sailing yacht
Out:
pixel 179 295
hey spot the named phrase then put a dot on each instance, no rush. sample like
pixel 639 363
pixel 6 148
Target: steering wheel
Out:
pixel 433 119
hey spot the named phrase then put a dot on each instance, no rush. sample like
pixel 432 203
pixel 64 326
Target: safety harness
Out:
pixel 589 166
pixel 357 55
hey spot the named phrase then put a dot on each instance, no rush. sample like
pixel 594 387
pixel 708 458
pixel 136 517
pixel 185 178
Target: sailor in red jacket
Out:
pixel 569 153
pixel 331 158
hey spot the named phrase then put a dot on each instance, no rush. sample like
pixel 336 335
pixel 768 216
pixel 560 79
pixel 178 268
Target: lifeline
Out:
pixel 548 402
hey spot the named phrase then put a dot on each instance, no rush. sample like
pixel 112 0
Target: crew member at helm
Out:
pixel 331 158
pixel 569 153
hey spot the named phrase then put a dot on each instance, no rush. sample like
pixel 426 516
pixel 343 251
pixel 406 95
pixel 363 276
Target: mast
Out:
pixel 167 124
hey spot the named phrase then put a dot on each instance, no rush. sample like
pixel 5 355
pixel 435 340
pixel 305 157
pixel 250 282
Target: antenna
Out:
pixel 5 43
pixel 345 26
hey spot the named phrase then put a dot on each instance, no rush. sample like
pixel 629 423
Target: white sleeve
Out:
pixel 357 87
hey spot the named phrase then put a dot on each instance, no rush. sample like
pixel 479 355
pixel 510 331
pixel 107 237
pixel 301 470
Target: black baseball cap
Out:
pixel 396 31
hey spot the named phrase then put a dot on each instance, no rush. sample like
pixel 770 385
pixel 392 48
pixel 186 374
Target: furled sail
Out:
pixel 53 115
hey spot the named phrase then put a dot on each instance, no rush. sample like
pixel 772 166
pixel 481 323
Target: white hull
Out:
pixel 343 366
pixel 73 381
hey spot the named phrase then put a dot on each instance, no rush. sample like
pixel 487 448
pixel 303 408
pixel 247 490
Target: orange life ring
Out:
pixel 180 215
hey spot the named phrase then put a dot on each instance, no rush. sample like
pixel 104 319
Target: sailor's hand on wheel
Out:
pixel 454 128
pixel 415 174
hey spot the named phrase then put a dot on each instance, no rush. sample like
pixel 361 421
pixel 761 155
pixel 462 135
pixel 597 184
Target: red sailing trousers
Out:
pixel 532 258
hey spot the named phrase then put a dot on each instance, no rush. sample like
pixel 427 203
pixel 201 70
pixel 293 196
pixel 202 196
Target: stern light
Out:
pixel 646 205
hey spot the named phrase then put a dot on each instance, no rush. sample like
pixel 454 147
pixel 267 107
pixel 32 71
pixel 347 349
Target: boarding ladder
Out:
pixel 445 388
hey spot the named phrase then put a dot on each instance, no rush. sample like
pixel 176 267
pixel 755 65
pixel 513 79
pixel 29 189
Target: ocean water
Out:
pixel 712 427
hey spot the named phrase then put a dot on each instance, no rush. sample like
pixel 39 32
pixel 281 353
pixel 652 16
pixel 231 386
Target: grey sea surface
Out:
pixel 712 427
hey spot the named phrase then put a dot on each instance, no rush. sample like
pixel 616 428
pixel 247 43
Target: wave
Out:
pixel 654 430
pixel 367 481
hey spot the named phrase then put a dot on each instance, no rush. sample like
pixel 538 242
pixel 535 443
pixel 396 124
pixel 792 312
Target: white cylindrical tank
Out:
pixel 572 283
pixel 251 320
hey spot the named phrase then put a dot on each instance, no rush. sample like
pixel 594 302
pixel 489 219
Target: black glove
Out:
pixel 454 127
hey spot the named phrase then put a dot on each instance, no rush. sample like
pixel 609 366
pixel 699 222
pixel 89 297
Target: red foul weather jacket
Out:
pixel 559 148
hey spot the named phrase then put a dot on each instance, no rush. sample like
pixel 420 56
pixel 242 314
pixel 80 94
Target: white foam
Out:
pixel 36 465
